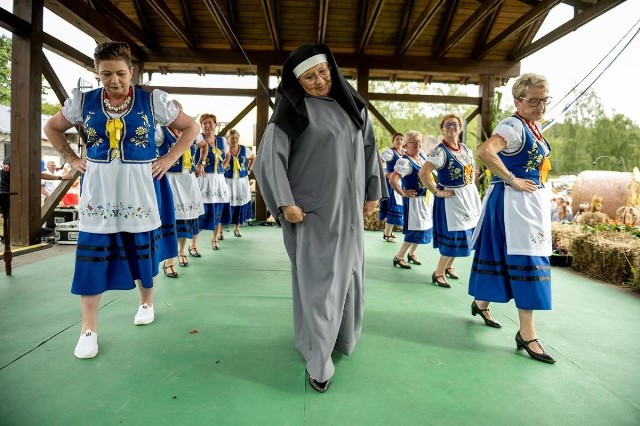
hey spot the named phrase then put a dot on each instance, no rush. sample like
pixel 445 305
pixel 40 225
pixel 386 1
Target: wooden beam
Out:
pixel 370 24
pixel 472 115
pixel 222 23
pixel 239 117
pixel 117 17
pixel 381 118
pixel 323 13
pixel 485 10
pixel 67 52
pixel 14 24
pixel 232 14
pixel 172 22
pixel 185 7
pixel 588 15
pixel 487 91
pixel 271 13
pixel 446 22
pixel 143 17
pixel 527 35
pixel 406 19
pixel 541 8
pixel 487 26
pixel 262 119
pixel 26 115
pixel 363 82
pixel 83 17
pixel 424 19
pixel 205 91
pixel 429 99
pixel 53 80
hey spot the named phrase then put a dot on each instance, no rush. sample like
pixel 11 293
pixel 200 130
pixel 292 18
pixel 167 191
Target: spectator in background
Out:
pixel 47 186
pixel 563 214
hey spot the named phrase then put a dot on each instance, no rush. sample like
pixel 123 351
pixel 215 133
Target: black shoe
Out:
pixel 173 274
pixel 451 273
pixel 321 387
pixel 194 252
pixel 488 321
pixel 401 263
pixel 412 258
pixel 436 280
pixel 524 344
pixel 182 260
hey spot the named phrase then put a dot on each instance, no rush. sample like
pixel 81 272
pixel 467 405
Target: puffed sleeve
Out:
pixel 164 109
pixel 387 155
pixel 248 152
pixel 199 138
pixel 72 108
pixel 159 135
pixel 437 157
pixel 512 131
pixel 403 167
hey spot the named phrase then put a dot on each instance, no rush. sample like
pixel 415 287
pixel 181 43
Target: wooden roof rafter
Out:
pixel 406 19
pixel 487 26
pixel 271 13
pixel 232 14
pixel 186 14
pixel 373 13
pixel 527 35
pixel 586 16
pixel 481 13
pixel 427 15
pixel 222 23
pixel 141 13
pixel 172 21
pixel 323 14
pixel 446 23
pixel 105 7
pixel 541 8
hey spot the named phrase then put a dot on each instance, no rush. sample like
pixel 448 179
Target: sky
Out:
pixel 564 63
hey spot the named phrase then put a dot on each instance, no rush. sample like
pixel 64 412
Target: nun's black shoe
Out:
pixel 475 310
pixel 321 387
pixel 524 344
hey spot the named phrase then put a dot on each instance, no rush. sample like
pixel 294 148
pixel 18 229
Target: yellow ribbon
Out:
pixel 217 157
pixel 236 167
pixel 114 131
pixel 187 161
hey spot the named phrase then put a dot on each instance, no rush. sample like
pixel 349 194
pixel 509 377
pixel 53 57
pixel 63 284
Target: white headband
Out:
pixel 308 63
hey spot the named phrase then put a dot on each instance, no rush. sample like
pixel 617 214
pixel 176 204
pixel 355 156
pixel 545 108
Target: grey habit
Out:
pixel 329 171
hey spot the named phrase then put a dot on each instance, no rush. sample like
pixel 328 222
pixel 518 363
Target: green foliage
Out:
pixel 631 230
pixel 5 70
pixel 50 109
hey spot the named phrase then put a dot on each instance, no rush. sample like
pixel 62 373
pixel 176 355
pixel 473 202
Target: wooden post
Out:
pixel 262 117
pixel 487 90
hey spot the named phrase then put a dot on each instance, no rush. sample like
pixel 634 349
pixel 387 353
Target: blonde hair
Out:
pixel 205 116
pixel 526 82
pixel 233 132
pixel 412 136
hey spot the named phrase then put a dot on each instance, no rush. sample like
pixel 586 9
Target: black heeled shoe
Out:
pixel 475 310
pixel 451 273
pixel 173 274
pixel 401 263
pixel 194 252
pixel 524 344
pixel 436 280
pixel 321 387
pixel 412 258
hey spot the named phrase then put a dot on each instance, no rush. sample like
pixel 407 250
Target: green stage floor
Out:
pixel 422 360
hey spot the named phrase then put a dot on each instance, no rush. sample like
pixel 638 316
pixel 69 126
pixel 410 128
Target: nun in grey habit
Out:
pixel 318 168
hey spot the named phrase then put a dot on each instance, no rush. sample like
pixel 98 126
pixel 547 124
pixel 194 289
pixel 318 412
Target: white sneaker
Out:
pixel 87 346
pixel 144 316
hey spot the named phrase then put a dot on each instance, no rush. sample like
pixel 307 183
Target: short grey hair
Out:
pixel 526 82
pixel 412 136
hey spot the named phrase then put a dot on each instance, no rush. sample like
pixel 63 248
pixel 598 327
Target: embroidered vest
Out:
pixel 185 162
pixel 391 164
pixel 455 172
pixel 130 138
pixel 211 159
pixel 412 180
pixel 525 163
pixel 237 165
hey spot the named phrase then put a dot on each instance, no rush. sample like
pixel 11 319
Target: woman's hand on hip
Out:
pixel 525 185
pixel 160 166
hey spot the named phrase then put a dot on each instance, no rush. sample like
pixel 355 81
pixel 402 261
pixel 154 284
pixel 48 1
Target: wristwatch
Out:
pixel 203 162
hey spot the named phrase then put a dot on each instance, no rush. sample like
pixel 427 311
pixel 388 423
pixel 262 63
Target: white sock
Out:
pixel 87 346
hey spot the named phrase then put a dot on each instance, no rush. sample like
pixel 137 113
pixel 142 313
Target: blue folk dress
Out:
pixel 187 199
pixel 417 225
pixel 119 209
pixel 455 218
pixel 237 177
pixel 513 238
pixel 213 186
pixel 391 209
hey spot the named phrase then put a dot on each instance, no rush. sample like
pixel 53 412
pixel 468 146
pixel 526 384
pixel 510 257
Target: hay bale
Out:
pixel 372 223
pixel 616 188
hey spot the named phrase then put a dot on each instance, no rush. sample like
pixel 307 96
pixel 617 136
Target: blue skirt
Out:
pixel 499 277
pixel 212 216
pixel 167 235
pixel 450 243
pixel 390 210
pixel 187 228
pixel 239 214
pixel 112 261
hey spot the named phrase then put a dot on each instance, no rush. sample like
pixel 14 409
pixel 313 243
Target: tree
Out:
pixel 5 70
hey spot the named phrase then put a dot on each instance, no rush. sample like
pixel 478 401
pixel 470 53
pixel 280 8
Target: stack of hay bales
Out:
pixel 617 189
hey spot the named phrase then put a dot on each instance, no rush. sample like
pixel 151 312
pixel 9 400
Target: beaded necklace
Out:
pixel 125 105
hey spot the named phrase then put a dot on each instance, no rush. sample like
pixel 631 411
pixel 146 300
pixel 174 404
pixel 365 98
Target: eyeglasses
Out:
pixel 534 102
pixel 312 78
pixel 414 143
pixel 450 125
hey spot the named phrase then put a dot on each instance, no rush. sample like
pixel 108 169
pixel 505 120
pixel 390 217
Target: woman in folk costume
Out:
pixel 213 186
pixel 118 211
pixel 318 166
pixel 187 199
pixel 237 166
pixel 417 203
pixel 456 205
pixel 513 238
pixel 391 209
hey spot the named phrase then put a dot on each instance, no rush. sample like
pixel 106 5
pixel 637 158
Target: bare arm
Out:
pixel 425 176
pixel 188 131
pixel 396 184
pixel 488 153
pixel 54 129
